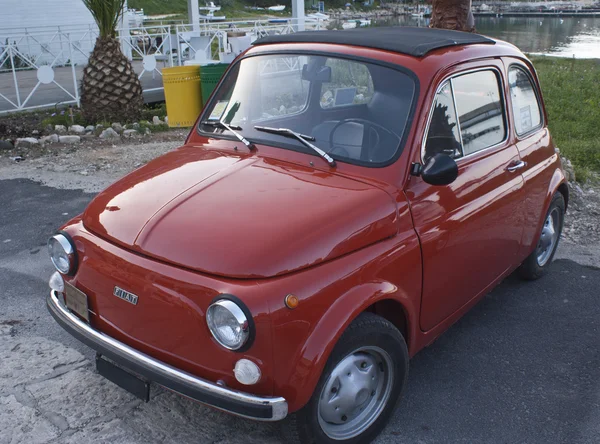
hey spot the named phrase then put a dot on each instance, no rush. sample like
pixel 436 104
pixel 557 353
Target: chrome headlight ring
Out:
pixel 63 253
pixel 230 323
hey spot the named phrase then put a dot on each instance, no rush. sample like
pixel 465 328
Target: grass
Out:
pixel 571 90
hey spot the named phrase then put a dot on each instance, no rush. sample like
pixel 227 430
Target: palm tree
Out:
pixel 110 89
pixel 452 14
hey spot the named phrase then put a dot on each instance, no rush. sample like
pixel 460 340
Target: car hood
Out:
pixel 239 215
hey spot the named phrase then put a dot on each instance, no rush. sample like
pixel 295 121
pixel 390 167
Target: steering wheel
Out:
pixel 370 128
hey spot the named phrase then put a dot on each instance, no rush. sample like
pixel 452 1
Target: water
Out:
pixel 566 37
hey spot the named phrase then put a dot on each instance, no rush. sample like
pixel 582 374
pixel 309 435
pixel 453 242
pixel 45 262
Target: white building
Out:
pixel 45 30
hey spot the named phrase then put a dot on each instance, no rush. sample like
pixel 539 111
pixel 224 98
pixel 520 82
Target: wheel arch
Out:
pixel 382 298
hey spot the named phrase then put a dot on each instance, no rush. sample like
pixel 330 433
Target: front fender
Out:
pixel 304 338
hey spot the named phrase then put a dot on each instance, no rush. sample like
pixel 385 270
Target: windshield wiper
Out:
pixel 304 139
pixel 232 129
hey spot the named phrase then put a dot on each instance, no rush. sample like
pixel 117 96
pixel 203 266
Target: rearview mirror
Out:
pixel 440 169
pixel 313 73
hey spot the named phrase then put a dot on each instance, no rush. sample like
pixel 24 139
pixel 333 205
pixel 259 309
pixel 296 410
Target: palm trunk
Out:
pixel 110 89
pixel 452 14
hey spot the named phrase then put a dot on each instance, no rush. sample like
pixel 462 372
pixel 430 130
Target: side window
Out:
pixel 525 105
pixel 283 91
pixel 351 84
pixel 443 131
pixel 480 110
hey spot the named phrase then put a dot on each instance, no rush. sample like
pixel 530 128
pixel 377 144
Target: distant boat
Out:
pixel 210 6
pixel 278 20
pixel 210 15
pixel 349 25
pixel 276 8
pixel 317 16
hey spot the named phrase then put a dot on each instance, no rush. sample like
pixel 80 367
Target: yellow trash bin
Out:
pixel 183 95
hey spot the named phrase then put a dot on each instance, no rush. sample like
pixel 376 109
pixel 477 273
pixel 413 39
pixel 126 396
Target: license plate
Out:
pixel 123 379
pixel 76 301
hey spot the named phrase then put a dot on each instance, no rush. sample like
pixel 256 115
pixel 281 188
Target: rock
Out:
pixel 147 131
pixel 49 128
pixel 60 129
pixel 568 169
pixel 77 129
pixel 136 126
pixel 99 127
pixel 69 139
pixel 6 145
pixel 27 142
pixel 35 132
pixel 117 127
pixel 129 133
pixel 109 133
pixel 156 120
pixel 167 120
pixel 52 138
pixel 83 173
pixel 90 129
pixel 282 109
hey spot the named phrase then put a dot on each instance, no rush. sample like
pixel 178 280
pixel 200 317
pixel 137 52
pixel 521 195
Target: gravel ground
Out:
pixel 522 366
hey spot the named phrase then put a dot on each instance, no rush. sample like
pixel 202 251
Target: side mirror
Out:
pixel 440 169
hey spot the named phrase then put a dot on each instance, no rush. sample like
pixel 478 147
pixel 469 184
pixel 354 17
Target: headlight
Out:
pixel 228 323
pixel 62 254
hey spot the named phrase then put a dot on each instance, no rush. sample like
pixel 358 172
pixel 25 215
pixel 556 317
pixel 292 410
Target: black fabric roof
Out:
pixel 406 40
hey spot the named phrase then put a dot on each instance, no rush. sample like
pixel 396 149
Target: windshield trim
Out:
pixel 301 148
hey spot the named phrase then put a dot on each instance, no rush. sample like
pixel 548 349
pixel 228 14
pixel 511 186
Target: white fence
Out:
pixel 42 68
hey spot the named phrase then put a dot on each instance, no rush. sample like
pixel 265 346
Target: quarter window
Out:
pixel 525 105
pixel 480 110
pixel 443 130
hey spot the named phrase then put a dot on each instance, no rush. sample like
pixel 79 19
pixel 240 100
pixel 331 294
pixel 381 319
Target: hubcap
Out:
pixel 355 393
pixel 548 238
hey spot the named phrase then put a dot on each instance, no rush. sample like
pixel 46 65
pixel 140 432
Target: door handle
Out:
pixel 516 166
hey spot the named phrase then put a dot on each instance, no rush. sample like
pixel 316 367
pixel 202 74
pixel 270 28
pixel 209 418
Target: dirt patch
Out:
pixel 91 165
pixel 582 222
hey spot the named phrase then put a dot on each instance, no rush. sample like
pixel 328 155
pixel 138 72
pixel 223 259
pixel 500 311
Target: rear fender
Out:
pixel 558 183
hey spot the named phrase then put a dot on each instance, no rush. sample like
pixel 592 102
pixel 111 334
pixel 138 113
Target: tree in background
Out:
pixel 110 89
pixel 452 14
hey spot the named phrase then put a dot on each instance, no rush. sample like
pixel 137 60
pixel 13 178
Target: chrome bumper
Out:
pixel 223 398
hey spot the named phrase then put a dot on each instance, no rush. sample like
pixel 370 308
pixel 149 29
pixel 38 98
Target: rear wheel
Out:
pixel 359 388
pixel 538 261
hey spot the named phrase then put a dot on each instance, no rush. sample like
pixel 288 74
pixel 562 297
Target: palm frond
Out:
pixel 106 13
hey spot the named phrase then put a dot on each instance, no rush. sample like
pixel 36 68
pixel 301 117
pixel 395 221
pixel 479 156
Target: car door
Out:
pixel 535 147
pixel 470 230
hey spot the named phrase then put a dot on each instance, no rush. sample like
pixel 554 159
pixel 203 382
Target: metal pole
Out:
pixel 298 14
pixel 194 15
pixel 73 71
pixel 12 64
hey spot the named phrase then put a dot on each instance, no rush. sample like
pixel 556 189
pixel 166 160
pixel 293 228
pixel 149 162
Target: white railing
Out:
pixel 43 67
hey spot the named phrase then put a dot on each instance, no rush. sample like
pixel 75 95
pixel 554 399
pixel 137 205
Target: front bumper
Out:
pixel 214 395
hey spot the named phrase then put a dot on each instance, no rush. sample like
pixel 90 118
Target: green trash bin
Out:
pixel 210 75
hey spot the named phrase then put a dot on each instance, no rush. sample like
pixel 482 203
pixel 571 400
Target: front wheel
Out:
pixel 359 388
pixel 538 261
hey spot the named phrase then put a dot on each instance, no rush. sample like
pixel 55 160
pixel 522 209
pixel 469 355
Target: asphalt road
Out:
pixel 522 367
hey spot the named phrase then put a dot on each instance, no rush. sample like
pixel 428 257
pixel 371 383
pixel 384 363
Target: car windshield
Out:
pixel 355 111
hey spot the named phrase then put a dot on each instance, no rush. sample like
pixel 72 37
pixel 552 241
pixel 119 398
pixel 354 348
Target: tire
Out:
pixel 537 263
pixel 353 361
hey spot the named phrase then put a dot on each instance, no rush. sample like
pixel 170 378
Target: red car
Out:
pixel 344 198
